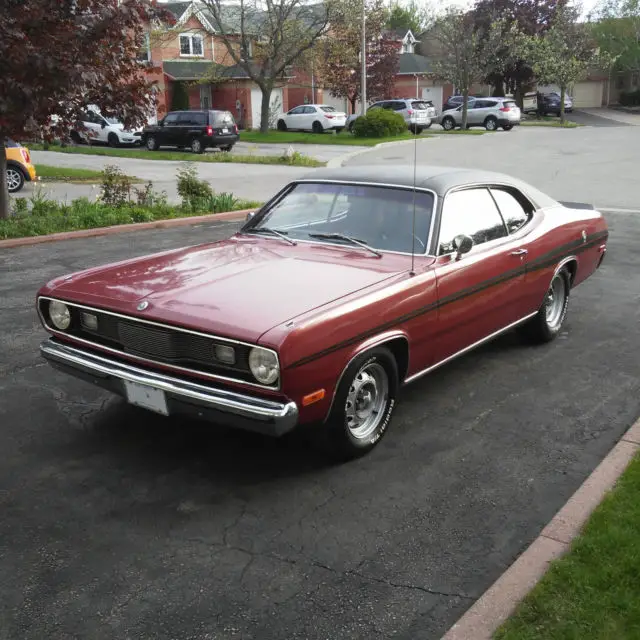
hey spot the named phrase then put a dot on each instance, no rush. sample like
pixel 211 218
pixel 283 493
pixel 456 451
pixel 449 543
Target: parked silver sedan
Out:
pixel 489 113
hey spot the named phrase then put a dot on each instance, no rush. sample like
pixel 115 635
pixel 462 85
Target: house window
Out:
pixel 191 45
pixel 144 55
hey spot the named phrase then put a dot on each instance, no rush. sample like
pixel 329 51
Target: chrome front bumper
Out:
pixel 224 407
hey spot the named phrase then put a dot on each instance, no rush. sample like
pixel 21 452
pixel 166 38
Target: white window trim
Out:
pixel 191 36
pixel 147 49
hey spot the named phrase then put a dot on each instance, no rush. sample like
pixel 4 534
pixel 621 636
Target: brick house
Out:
pixel 190 52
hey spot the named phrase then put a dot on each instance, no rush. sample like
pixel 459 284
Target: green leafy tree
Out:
pixel 617 31
pixel 564 54
pixel 466 50
pixel 412 17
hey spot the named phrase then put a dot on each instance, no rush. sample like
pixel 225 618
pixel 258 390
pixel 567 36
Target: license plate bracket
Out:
pixel 225 130
pixel 147 397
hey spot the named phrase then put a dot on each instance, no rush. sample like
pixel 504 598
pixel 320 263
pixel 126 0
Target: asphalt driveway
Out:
pixel 117 523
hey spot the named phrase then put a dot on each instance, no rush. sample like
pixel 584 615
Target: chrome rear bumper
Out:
pixel 222 406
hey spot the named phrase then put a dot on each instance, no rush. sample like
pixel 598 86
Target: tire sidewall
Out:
pixel 552 332
pixel 197 146
pixel 448 123
pixel 337 420
pixel 491 124
pixel 113 140
pixel 151 143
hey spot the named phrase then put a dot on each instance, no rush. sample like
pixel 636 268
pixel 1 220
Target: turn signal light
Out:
pixel 209 131
pixel 313 397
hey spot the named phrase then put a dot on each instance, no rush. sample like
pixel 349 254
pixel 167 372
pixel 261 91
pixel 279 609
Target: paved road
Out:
pixel 117 523
pixel 588 164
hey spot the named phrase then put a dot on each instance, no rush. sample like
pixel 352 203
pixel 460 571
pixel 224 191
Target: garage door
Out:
pixel 587 94
pixel 435 95
pixel 339 104
pixel 256 104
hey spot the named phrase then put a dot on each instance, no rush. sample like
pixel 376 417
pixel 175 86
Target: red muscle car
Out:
pixel 345 286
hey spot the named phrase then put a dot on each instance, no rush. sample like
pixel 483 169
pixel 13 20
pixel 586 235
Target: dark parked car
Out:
pixel 550 103
pixel 197 130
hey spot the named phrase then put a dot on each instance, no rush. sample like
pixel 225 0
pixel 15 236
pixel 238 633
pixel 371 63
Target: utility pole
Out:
pixel 363 66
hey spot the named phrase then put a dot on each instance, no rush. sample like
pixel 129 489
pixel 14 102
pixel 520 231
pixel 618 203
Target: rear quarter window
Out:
pixel 419 105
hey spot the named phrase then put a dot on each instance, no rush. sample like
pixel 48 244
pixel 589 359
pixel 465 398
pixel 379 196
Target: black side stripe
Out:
pixel 542 262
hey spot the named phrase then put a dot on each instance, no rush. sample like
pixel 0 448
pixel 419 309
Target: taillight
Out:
pixel 326 115
pixel 209 131
pixel 410 112
pixel 235 126
pixel 505 109
pixel 25 155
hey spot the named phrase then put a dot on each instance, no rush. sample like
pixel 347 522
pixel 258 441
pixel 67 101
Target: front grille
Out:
pixel 160 344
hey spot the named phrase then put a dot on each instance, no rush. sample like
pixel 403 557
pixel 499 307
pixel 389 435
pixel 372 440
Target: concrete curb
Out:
pixel 336 163
pixel 497 603
pixel 125 228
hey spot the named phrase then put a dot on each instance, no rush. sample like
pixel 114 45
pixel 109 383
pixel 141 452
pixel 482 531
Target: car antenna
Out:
pixel 413 230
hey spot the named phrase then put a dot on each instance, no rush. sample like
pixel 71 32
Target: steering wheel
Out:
pixel 419 241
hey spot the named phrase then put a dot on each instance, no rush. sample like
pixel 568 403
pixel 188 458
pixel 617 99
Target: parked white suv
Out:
pixel 418 114
pixel 312 117
pixel 97 128
pixel 489 113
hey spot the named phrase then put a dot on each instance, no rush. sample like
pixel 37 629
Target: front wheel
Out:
pixel 363 405
pixel 15 179
pixel 448 123
pixel 151 143
pixel 547 323
pixel 282 125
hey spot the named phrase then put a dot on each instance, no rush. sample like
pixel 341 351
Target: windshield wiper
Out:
pixel 340 236
pixel 273 232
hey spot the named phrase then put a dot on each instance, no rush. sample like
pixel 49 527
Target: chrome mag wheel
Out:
pixel 366 402
pixel 555 302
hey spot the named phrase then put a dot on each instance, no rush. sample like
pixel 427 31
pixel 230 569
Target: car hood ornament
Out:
pixel 142 305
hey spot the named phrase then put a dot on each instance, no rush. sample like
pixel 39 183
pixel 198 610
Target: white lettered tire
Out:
pixel 363 405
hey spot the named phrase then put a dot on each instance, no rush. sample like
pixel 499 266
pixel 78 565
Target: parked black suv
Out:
pixel 194 129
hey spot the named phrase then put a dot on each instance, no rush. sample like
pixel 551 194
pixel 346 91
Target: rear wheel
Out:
pixel 427 126
pixel 547 323
pixel 317 127
pixel 490 124
pixel 76 138
pixel 197 146
pixel 507 127
pixel 282 125
pixel 15 179
pixel 362 407
pixel 448 123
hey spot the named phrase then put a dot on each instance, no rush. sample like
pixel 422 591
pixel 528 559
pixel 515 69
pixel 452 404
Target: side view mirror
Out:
pixel 249 216
pixel 462 244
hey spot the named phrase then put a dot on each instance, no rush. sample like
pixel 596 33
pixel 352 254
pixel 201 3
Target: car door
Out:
pixel 92 126
pixel 185 128
pixel 167 134
pixel 478 291
pixel 310 116
pixel 477 110
pixel 294 118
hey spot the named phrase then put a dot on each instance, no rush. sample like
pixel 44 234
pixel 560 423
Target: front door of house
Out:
pixel 205 96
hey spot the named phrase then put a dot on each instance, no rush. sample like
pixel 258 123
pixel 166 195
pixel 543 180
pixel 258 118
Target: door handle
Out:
pixel 519 252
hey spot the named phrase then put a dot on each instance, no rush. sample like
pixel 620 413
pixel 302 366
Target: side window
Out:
pixel 309 110
pixel 471 212
pixel 399 106
pixel 172 118
pixel 186 118
pixel 479 104
pixel 296 111
pixel 515 216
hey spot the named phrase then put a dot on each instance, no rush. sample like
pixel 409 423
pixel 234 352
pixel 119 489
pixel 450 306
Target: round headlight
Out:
pixel 264 365
pixel 59 314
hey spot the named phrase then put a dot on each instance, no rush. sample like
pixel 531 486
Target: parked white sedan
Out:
pixel 312 117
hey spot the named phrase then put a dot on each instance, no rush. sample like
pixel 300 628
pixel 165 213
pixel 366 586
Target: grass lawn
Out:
pixel 300 137
pixel 297 160
pixel 592 593
pixel 66 174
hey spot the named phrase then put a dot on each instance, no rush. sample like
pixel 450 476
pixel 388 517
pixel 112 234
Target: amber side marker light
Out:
pixel 313 397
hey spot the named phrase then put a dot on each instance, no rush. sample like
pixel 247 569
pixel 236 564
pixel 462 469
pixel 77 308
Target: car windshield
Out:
pixel 380 217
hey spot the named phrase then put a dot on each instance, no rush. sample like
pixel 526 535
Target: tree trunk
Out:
pixel 265 108
pixel 563 91
pixel 353 103
pixel 465 107
pixel 5 204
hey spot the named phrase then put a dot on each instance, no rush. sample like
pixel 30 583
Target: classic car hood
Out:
pixel 240 287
